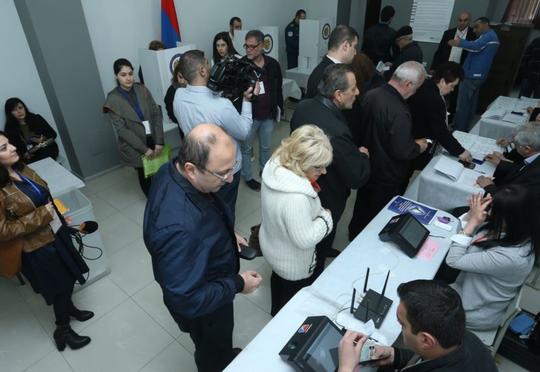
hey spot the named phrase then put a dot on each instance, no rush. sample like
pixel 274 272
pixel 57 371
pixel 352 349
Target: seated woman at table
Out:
pixel 136 119
pixel 177 81
pixel 495 252
pixel 222 48
pixel 293 220
pixel 30 133
pixel 429 113
pixel 34 239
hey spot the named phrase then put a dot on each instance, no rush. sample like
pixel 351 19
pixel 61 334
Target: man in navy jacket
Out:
pixel 189 232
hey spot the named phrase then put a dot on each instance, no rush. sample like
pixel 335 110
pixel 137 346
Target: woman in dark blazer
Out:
pixel 136 119
pixel 177 81
pixel 30 133
pixel 35 237
pixel 429 114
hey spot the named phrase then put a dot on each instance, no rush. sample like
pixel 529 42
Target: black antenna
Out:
pixel 352 300
pixel 367 310
pixel 385 283
pixel 366 281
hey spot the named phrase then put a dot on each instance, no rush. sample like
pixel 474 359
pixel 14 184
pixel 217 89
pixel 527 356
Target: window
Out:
pixel 522 12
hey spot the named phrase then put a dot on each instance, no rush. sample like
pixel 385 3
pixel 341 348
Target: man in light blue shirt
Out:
pixel 482 51
pixel 197 104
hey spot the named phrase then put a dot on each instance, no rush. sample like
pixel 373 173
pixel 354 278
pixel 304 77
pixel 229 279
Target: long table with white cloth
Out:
pixel 331 293
pixel 445 183
pixel 503 117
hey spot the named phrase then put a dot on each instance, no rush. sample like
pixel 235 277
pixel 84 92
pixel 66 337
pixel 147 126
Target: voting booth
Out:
pixel 314 35
pixel 270 41
pixel 313 40
pixel 158 67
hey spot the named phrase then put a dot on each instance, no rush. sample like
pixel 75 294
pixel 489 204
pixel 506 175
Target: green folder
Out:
pixel 151 166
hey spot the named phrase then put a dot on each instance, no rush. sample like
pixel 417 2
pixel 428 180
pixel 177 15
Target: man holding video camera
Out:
pixel 267 105
pixel 197 104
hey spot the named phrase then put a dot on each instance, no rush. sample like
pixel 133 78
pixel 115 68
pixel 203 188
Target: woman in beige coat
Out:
pixel 136 119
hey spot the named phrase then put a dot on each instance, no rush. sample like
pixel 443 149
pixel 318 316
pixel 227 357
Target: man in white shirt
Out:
pixel 197 104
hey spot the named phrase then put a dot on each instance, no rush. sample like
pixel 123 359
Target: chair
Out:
pixel 493 338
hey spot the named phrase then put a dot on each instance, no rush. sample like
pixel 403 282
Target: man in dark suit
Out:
pixel 341 49
pixel 379 39
pixel 526 173
pixel 447 53
pixel 350 168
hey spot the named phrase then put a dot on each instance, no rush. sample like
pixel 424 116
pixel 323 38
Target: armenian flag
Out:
pixel 170 30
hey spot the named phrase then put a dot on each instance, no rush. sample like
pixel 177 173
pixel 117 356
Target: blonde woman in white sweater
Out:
pixel 293 220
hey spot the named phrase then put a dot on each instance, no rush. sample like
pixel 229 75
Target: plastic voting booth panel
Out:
pixel 314 35
pixel 158 67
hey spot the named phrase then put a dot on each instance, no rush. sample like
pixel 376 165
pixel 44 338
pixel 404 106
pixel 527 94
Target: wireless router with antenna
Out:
pixel 374 305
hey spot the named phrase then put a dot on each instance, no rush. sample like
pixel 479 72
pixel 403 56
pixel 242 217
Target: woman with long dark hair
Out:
pixel 29 132
pixel 37 241
pixel 222 47
pixel 136 119
pixel 495 252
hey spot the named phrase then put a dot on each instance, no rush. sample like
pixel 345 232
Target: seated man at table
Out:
pixel 433 327
pixel 526 173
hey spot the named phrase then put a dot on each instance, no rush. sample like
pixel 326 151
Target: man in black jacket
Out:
pixel 409 50
pixel 447 53
pixel 387 128
pixel 433 326
pixel 379 39
pixel 341 49
pixel 350 168
pixel 526 173
pixel 267 106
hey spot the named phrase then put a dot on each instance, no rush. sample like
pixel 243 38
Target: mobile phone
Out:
pixel 478 161
pixel 467 164
pixel 366 354
pixel 247 253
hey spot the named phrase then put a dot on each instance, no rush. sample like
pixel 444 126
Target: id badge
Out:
pixel 261 86
pixel 146 124
pixel 55 224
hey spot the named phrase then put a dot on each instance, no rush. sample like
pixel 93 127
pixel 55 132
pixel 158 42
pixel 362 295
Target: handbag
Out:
pixel 254 240
pixel 11 257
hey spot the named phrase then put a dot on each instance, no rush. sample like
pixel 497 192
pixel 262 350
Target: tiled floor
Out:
pixel 132 330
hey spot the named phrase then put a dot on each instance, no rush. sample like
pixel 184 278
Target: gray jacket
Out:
pixel 489 279
pixel 129 129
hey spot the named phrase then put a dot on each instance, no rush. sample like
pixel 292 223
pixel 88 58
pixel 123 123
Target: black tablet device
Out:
pixel 406 232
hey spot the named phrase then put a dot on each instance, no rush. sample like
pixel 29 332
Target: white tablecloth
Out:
pixel 330 295
pixel 509 123
pixel 291 89
pixel 300 76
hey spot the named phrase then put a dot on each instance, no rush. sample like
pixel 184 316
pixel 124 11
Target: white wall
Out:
pixel 18 75
pixel 118 28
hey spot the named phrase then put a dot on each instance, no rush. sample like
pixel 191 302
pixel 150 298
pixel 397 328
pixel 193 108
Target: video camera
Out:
pixel 233 76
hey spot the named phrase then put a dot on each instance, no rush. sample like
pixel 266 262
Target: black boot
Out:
pixel 80 315
pixel 64 335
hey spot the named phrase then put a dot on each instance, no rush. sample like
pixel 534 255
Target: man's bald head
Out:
pixel 463 20
pixel 207 157
pixel 199 143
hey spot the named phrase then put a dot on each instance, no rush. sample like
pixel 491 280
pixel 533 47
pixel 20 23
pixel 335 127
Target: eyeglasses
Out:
pixel 250 47
pixel 222 177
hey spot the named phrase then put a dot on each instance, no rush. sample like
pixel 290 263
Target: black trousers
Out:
pixel 282 290
pixel 212 336
pixel 144 182
pixel 62 307
pixel 369 202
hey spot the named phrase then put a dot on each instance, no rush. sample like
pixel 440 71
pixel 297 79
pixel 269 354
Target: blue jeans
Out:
pixel 264 128
pixel 466 103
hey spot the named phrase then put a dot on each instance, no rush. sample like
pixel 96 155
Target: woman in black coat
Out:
pixel 429 114
pixel 30 133
pixel 177 81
